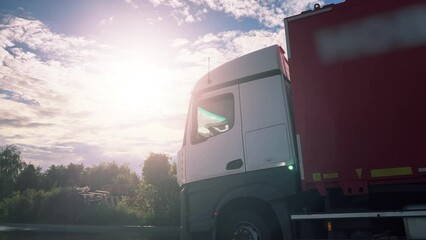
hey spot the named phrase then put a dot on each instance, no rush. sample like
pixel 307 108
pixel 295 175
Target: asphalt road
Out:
pixel 89 232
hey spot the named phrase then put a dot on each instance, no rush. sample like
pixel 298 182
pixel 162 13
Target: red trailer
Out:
pixel 358 73
pixel 358 77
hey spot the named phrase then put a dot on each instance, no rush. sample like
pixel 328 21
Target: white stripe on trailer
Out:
pixel 359 215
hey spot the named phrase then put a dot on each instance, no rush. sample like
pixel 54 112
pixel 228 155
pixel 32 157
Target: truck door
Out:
pixel 215 145
pixel 266 124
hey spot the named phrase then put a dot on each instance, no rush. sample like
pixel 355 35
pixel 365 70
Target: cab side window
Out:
pixel 213 116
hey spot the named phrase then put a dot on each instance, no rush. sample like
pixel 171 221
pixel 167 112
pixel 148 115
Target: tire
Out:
pixel 245 225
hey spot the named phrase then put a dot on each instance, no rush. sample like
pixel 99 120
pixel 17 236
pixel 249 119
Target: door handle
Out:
pixel 235 164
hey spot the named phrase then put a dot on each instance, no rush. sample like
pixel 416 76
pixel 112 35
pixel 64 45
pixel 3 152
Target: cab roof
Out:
pixel 253 65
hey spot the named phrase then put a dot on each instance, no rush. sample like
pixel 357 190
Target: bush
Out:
pixel 66 206
pixel 38 206
pixel 21 207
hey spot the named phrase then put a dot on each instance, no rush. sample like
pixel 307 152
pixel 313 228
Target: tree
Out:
pixel 10 167
pixel 161 175
pixel 54 176
pixel 156 169
pixel 73 174
pixel 29 178
pixel 109 174
pixel 63 176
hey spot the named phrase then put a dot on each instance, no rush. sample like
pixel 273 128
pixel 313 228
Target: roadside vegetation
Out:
pixel 107 193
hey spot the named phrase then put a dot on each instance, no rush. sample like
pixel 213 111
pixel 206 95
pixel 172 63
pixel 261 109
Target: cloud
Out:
pixel 293 7
pixel 73 152
pixel 179 42
pixel 225 46
pixel 37 69
pixel 22 123
pixel 27 39
pixel 62 153
pixel 182 11
pixel 268 13
pixel 106 21
pixel 13 96
pixel 132 3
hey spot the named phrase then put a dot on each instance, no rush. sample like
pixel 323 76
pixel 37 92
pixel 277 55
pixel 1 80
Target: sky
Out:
pixel 91 81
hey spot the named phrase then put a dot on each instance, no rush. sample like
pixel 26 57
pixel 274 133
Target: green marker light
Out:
pixel 290 167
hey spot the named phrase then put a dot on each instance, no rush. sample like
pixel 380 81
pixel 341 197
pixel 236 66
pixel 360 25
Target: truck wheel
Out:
pixel 245 225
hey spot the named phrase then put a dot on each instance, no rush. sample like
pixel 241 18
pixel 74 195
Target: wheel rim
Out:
pixel 246 231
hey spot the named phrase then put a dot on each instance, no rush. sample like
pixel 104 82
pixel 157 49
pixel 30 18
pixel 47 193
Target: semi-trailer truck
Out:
pixel 328 141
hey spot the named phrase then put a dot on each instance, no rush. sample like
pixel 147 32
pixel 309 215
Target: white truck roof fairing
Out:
pixel 264 61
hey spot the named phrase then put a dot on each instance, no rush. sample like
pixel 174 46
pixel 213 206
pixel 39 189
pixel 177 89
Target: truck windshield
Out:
pixel 214 116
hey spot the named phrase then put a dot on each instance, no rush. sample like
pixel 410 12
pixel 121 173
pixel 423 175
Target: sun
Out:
pixel 132 86
pixel 138 83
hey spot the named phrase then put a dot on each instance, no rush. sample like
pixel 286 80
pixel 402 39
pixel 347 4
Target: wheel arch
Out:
pixel 262 199
pixel 261 192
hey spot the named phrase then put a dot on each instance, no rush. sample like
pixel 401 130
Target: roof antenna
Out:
pixel 208 69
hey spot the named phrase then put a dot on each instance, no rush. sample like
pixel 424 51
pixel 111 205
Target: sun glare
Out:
pixel 132 86
pixel 136 84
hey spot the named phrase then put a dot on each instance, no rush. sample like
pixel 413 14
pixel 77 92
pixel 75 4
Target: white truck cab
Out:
pixel 224 133
pixel 239 125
